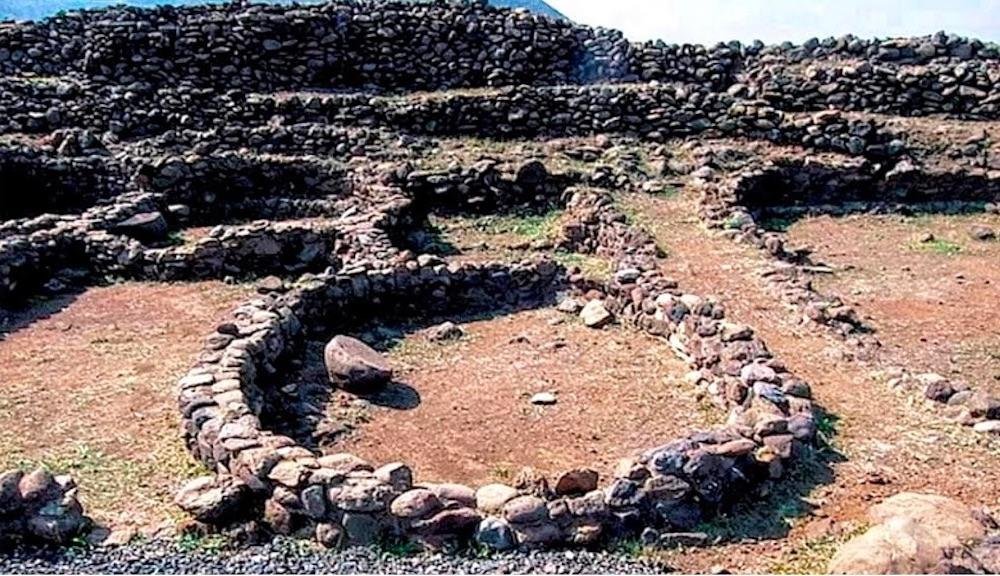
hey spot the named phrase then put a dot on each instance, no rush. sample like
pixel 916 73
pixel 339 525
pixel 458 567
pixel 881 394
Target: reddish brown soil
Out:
pixel 934 310
pixel 90 390
pixel 618 392
pixel 880 436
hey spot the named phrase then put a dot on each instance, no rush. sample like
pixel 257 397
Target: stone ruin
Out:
pixel 287 129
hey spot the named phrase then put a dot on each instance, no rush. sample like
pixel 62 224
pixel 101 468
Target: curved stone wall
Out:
pixel 342 499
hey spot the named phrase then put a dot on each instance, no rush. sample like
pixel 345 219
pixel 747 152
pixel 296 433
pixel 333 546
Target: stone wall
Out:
pixel 262 48
pixel 656 112
pixel 969 90
pixel 340 498
pixel 35 182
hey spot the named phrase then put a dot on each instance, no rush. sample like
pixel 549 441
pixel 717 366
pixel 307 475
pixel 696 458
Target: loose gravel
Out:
pixel 288 556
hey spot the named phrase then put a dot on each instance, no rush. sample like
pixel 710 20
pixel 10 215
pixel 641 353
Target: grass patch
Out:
pixel 813 556
pixel 529 226
pixel 400 548
pixel 776 224
pixel 502 473
pixel 592 267
pixel 938 246
pixel 208 543
pixel 630 547
pixel 113 483
pixel 827 427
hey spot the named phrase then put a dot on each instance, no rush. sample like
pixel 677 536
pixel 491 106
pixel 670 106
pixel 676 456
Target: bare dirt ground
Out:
pixel 881 444
pixel 617 391
pixel 90 390
pixel 933 302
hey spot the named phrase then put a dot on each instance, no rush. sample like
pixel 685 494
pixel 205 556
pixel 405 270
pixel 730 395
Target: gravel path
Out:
pixel 286 556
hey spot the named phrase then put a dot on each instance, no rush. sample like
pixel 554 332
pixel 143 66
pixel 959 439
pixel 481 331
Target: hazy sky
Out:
pixel 777 20
pixel 708 21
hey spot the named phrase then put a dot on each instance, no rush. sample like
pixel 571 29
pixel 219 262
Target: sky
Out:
pixel 709 21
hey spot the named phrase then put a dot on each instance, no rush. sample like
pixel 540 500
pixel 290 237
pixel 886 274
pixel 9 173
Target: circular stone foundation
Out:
pixel 462 411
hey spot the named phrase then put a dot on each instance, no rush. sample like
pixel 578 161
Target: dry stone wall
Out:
pixel 339 498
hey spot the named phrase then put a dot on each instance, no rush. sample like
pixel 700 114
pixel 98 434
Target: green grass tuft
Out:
pixel 939 246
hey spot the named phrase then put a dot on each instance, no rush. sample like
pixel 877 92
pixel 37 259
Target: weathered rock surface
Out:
pixel 355 366
pixel 912 534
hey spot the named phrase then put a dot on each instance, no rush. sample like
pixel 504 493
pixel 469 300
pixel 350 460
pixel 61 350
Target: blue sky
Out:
pixel 708 21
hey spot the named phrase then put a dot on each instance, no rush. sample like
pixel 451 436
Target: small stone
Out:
pixel 270 284
pixel 757 372
pixel 10 495
pixel 987 427
pixel 213 499
pixel 456 521
pixel 147 226
pixel 444 332
pixel 396 474
pixel 939 390
pixel 982 233
pixel 37 486
pixel 525 510
pixel 544 399
pixel 344 463
pixel 492 497
pixel 329 534
pixel 579 481
pixel 361 529
pixel 627 275
pixel 595 315
pixel 495 534
pixel 569 305
pixel 416 503
pixel 457 493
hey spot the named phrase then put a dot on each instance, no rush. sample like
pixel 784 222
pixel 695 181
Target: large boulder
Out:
pixel 354 366
pixel 952 522
pixel 214 499
pixel 912 534
pixel 900 546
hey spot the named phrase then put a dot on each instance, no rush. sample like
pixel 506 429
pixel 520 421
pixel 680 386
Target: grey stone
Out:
pixel 495 534
pixel 353 365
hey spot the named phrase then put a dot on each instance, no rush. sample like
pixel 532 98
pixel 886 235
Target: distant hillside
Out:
pixel 537 6
pixel 36 9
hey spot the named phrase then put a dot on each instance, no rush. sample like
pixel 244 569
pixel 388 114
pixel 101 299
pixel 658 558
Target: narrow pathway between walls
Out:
pixel 881 443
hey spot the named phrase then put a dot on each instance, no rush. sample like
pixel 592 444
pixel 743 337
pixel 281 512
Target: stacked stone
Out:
pixel 968 89
pixel 596 227
pixel 338 497
pixel 652 111
pixel 39 506
pixel 714 67
pixel 297 139
pixel 333 44
pixel 262 247
pixel 341 499
pixel 791 188
pixel 484 187
pixel 42 105
pixel 36 181
pixel 960 401
pixel 218 185
pixel 937 46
